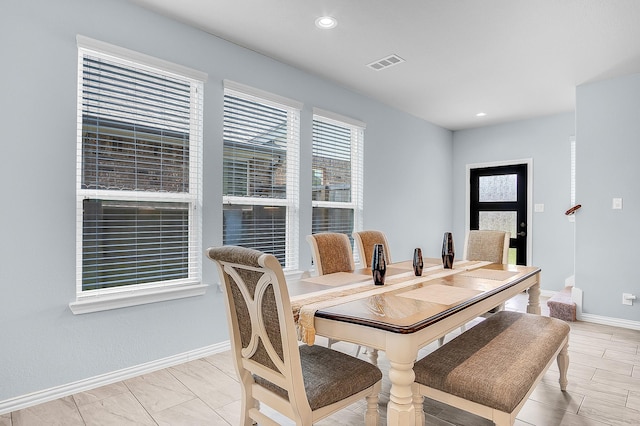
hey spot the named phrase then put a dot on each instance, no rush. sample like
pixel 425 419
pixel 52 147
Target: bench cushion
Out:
pixel 496 362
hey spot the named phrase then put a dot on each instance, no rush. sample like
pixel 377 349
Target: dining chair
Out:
pixel 486 245
pixel 304 383
pixel 365 240
pixel 332 253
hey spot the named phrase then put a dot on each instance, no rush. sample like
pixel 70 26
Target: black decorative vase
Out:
pixel 448 252
pixel 378 264
pixel 417 262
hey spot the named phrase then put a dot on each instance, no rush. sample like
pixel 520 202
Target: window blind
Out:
pixel 260 174
pixel 331 162
pixel 336 174
pixel 139 174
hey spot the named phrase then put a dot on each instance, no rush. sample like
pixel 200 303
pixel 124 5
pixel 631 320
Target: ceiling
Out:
pixel 511 59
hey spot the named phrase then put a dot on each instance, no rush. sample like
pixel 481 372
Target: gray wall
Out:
pixel 407 161
pixel 545 140
pixel 608 155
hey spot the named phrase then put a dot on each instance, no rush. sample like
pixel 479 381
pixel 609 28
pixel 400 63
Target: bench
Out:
pixel 491 369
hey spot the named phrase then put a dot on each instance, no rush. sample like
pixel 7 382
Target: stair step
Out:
pixel 561 306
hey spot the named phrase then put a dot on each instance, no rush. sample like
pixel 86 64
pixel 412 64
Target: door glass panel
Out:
pixel 513 256
pixel 498 188
pixel 499 221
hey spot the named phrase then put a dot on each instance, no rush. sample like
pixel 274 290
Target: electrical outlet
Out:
pixel 628 298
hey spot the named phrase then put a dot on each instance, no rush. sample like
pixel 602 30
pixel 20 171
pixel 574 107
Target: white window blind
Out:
pixel 139 174
pixel 261 172
pixel 337 173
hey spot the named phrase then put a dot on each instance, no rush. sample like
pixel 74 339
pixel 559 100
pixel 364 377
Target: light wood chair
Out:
pixel 332 253
pixel 489 246
pixel 365 240
pixel 304 383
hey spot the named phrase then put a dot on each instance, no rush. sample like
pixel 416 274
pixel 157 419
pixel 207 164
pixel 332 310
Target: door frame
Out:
pixel 529 163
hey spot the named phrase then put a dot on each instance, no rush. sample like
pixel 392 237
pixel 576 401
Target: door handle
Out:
pixel 522 234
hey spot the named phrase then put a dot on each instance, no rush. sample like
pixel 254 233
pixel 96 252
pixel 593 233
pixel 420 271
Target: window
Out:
pixel 138 179
pixel 337 173
pixel 261 172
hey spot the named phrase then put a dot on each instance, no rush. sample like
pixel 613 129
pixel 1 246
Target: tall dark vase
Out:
pixel 378 264
pixel 448 252
pixel 417 262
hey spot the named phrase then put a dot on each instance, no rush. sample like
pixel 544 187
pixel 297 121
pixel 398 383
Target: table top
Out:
pixel 406 303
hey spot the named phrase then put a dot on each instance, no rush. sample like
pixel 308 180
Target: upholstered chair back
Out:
pixel 490 246
pixel 365 240
pixel 331 252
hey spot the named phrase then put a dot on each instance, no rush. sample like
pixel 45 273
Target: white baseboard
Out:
pixel 576 296
pixel 21 402
pixel 614 322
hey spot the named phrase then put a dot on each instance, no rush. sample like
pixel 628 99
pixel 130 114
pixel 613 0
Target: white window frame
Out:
pixel 292 200
pixel 136 294
pixel 357 171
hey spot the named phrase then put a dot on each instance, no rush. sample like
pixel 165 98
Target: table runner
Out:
pixel 338 279
pixel 305 306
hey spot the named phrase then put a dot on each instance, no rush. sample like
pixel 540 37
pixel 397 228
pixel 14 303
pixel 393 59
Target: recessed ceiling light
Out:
pixel 481 114
pixel 326 22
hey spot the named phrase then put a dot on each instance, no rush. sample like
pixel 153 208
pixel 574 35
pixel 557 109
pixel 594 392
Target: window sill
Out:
pixel 85 305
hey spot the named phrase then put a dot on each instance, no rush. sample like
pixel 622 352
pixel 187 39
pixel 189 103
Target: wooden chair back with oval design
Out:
pixel 304 383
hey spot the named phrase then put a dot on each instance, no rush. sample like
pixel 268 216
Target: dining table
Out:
pixel 406 313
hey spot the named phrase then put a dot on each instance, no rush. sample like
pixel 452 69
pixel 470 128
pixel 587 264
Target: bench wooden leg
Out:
pixel 563 366
pixel 502 419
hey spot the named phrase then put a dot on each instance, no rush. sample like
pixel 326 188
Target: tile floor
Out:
pixel 604 389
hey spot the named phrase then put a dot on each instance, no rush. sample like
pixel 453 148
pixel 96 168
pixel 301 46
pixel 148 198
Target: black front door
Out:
pixel 498 201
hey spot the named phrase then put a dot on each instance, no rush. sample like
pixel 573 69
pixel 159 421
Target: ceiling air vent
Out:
pixel 387 62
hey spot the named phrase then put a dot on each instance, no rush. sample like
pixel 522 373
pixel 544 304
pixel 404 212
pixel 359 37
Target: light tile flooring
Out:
pixel 604 389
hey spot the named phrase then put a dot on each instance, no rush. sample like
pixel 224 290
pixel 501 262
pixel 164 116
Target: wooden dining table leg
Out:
pixel 534 299
pixel 401 356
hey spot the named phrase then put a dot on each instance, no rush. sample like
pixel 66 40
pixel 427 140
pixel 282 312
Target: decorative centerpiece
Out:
pixel 417 262
pixel 448 252
pixel 378 264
